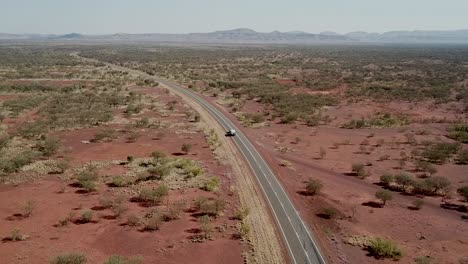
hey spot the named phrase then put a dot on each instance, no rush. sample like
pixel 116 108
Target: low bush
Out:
pixel 87 216
pixel 28 208
pixel 359 170
pixel 244 230
pixel 48 146
pixel 459 133
pixel 212 184
pixel 153 197
pixel 241 213
pixel 120 181
pixel 462 157
pixel 205 225
pixel 425 167
pixel 387 179
pixel 186 148
pixel 104 135
pixel 174 210
pixel 330 212
pixel 314 186
pixel 440 152
pixel 438 184
pixel 463 191
pixel 210 207
pixel 71 258
pixel 158 172
pixel 87 179
pixel 381 120
pixel 153 221
pixel 404 180
pixel 383 248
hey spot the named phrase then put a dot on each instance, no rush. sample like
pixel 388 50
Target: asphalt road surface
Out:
pixel 299 240
pixel 297 237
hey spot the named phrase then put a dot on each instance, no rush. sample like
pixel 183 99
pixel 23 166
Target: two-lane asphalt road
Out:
pixel 297 237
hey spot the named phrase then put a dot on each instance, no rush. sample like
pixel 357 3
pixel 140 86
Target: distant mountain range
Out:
pixel 249 36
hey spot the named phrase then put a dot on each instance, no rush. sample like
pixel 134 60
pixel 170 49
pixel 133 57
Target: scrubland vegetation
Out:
pixel 59 113
pixel 364 135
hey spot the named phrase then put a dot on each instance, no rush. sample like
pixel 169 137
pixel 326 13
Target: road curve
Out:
pixel 301 244
pixel 299 240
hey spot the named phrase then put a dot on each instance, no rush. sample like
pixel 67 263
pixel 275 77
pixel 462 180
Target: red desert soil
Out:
pixel 170 244
pixel 55 199
pixel 431 231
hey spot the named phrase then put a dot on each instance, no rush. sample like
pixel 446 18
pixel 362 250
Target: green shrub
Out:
pixel 314 186
pixel 205 225
pixel 383 248
pixel 359 170
pixel 440 152
pixel 14 164
pixel 210 207
pixel 158 156
pixel 32 129
pixel 104 135
pixel 212 184
pixel 120 181
pixel 134 109
pixel 289 118
pixel 123 260
pixel 174 210
pixel 459 133
pixel 462 157
pixel 87 179
pixel 463 191
pixel 404 180
pixel 153 221
pixel 381 120
pixel 71 258
pixel 384 196
pixel 438 184
pixel 244 230
pixel 186 148
pixel 155 196
pixel 87 216
pixel 330 212
pixel 241 213
pixel 48 146
pixel 160 171
pixel 387 179
pixel 426 167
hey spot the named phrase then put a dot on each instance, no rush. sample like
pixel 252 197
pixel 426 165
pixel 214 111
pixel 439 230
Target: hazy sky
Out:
pixel 182 16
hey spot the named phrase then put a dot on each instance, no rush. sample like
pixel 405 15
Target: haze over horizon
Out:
pixel 185 16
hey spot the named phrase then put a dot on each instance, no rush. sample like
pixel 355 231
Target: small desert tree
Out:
pixel 404 180
pixel 314 186
pixel 384 196
pixel 72 258
pixel 359 170
pixel 387 179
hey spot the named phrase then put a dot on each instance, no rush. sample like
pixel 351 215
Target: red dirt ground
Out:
pixel 54 199
pixel 431 231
